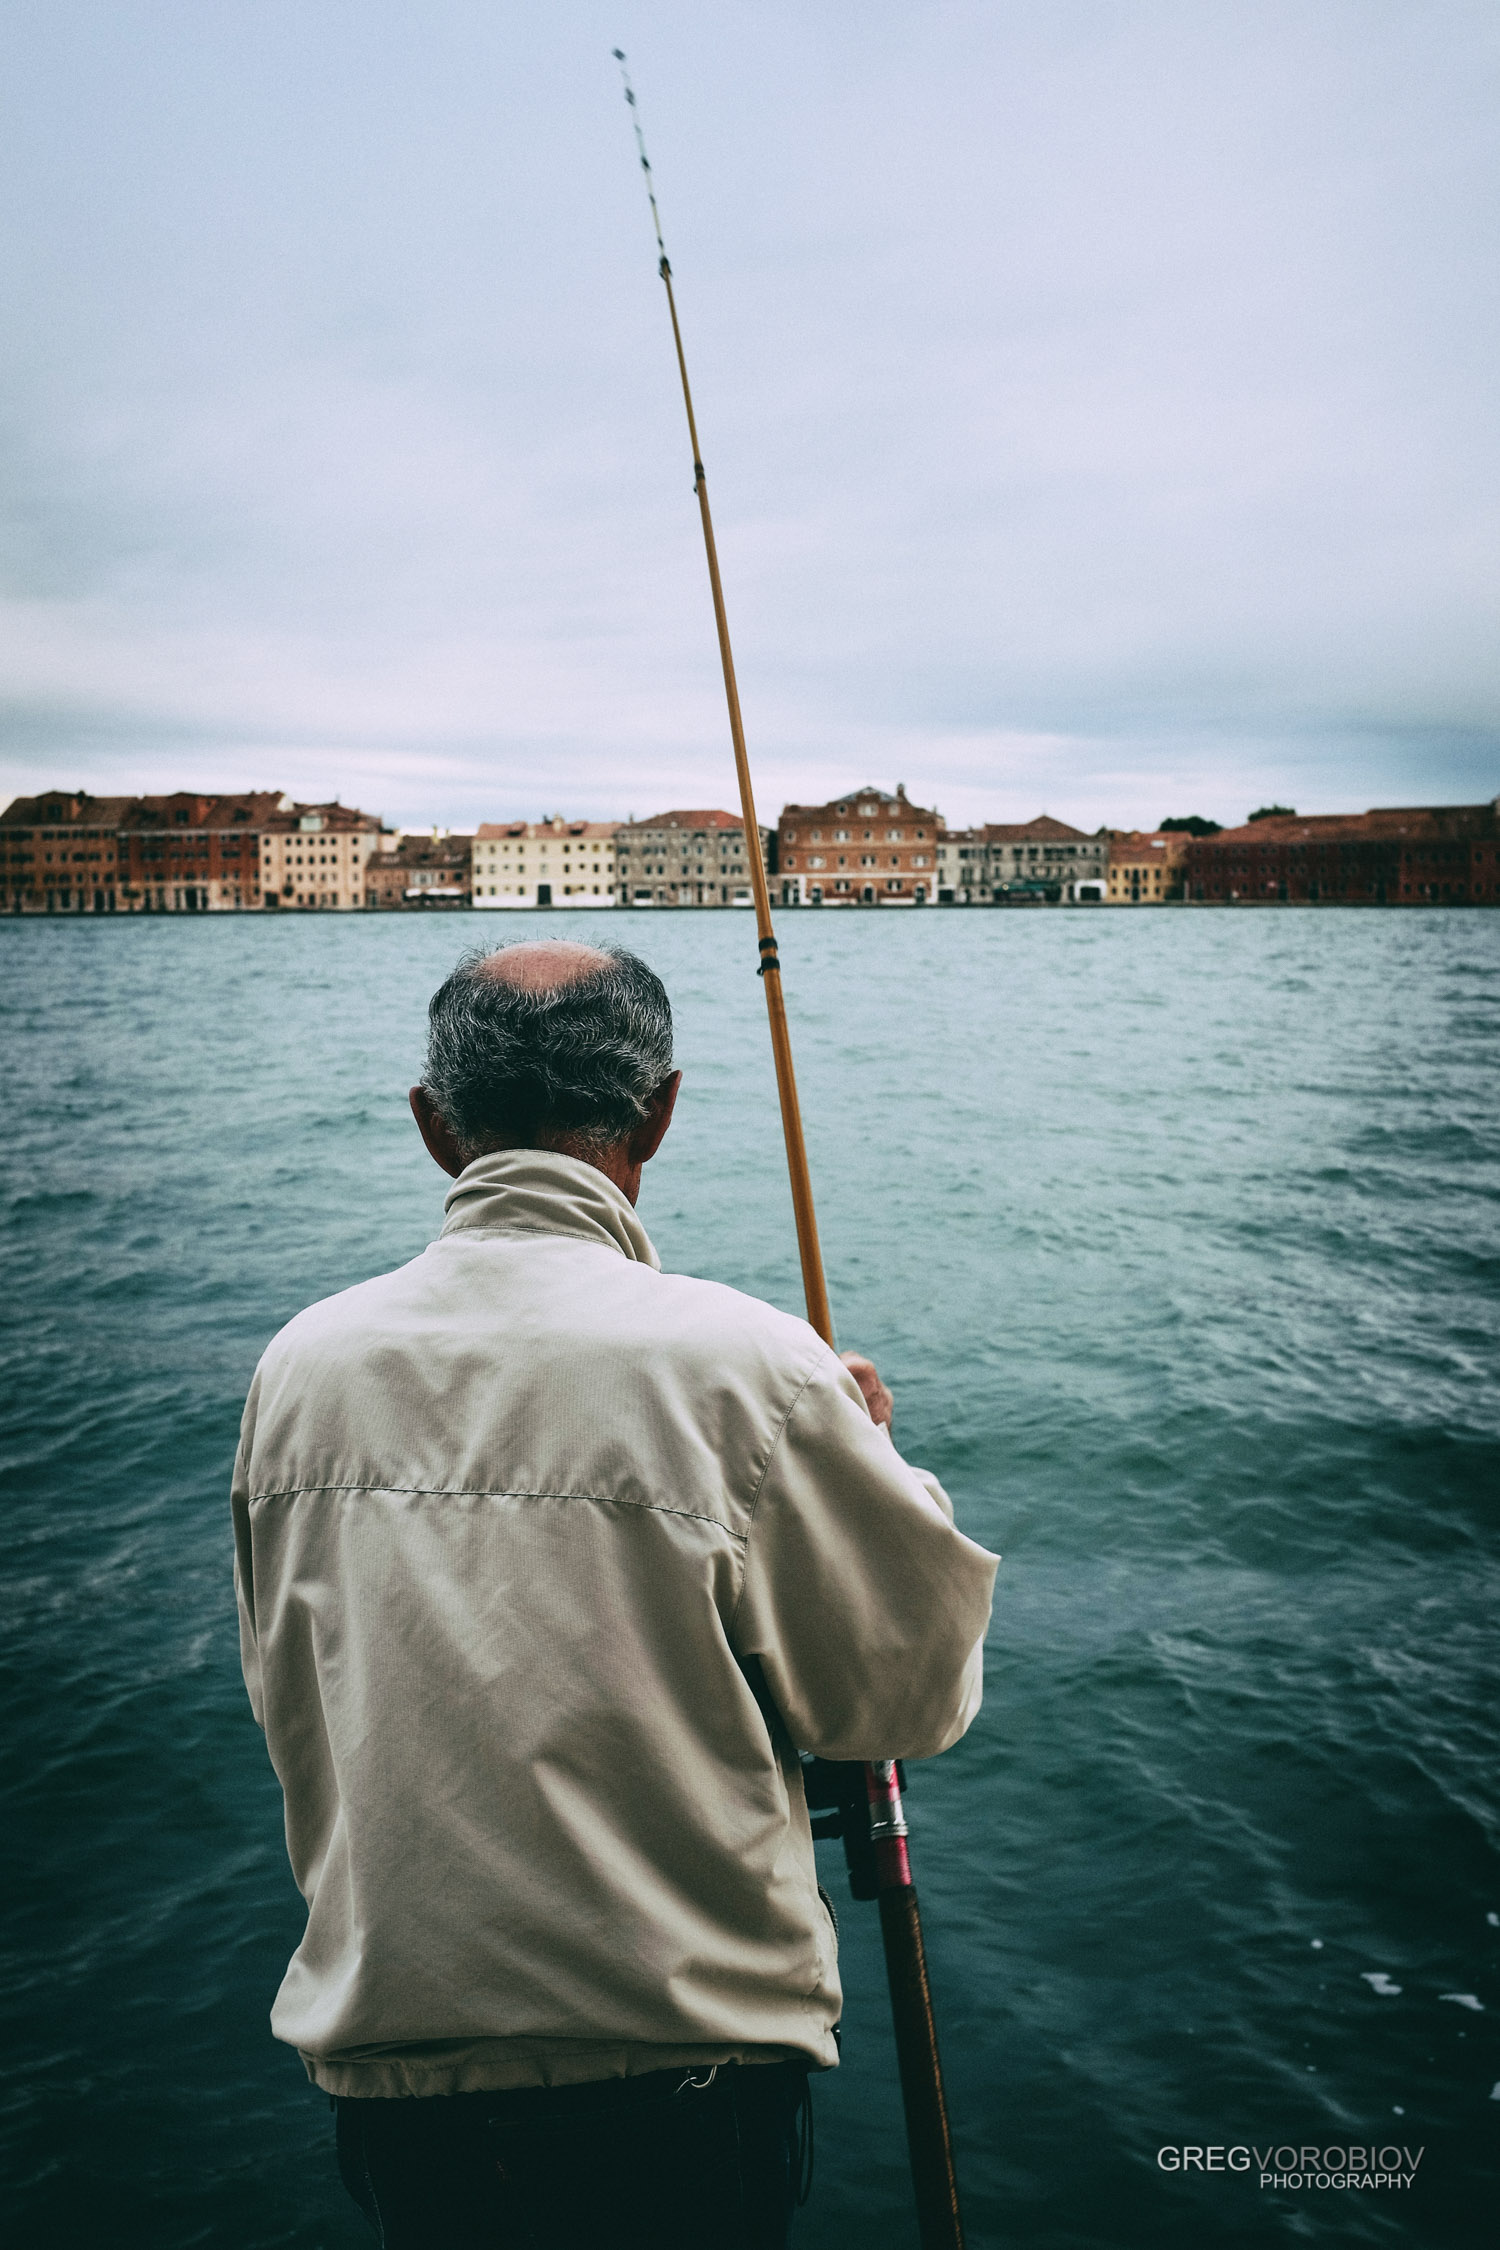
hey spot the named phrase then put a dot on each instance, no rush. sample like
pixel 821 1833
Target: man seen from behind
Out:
pixel 549 1564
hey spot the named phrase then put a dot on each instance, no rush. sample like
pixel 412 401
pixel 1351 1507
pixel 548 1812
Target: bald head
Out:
pixel 542 965
pixel 549 1045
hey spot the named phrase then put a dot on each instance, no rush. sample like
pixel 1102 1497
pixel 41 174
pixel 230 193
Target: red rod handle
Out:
pixel 929 2137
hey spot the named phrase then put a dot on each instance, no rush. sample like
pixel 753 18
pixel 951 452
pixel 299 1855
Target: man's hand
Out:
pixel 877 1398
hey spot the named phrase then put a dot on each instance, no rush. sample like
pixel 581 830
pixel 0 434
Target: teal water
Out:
pixel 1176 1235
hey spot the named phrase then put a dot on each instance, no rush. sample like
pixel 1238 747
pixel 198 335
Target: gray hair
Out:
pixel 566 1063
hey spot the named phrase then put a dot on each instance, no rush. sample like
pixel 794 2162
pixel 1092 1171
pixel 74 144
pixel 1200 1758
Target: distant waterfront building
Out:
pixel 418 871
pixel 313 858
pixel 1048 853
pixel 66 852
pixel 687 859
pixel 1411 855
pixel 556 862
pixel 1016 862
pixel 962 858
pixel 1145 867
pixel 866 848
pixel 60 853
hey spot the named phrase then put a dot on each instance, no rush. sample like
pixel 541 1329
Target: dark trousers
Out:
pixel 672 2161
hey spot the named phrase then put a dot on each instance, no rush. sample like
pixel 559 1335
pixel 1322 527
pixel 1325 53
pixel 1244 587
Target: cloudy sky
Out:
pixel 1099 401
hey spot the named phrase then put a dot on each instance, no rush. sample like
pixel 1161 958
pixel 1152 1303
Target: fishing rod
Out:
pixel 861 1804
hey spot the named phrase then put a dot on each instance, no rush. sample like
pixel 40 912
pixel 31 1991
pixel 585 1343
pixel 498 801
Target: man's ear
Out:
pixel 436 1132
pixel 652 1129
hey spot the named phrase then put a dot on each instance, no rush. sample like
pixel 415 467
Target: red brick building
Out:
pixel 1417 855
pixel 867 848
pixel 60 853
pixel 66 852
pixel 189 854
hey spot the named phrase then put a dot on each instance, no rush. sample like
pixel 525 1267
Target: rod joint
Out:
pixel 893 1824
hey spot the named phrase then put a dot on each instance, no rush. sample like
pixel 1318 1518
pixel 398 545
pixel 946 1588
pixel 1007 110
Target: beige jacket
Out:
pixel 546 1560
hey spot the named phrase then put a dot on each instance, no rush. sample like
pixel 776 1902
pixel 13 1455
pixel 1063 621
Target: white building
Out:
pixel 557 862
pixel 1009 862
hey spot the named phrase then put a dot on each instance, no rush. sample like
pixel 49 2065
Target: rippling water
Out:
pixel 1176 1235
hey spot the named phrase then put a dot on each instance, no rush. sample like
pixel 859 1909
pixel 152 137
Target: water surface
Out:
pixel 1176 1235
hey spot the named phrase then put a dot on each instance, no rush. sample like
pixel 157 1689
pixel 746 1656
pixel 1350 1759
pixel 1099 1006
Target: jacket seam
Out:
pixel 596 1238
pixel 495 1492
pixel 760 1483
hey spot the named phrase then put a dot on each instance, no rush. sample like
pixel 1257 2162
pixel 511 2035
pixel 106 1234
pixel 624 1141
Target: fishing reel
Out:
pixel 839 1802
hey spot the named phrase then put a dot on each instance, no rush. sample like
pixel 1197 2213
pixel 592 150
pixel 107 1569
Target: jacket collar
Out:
pixel 535 1191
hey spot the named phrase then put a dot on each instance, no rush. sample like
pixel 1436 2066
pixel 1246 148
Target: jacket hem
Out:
pixel 489 2066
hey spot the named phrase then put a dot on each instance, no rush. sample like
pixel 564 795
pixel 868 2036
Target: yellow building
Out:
pixel 1145 867
pixel 555 862
pixel 315 855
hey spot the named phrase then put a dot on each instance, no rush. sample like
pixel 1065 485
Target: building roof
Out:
pixel 425 851
pixel 526 829
pixel 697 820
pixel 268 809
pixel 1382 824
pixel 1043 830
pixel 1162 849
pixel 75 808
pixel 287 818
pixel 58 807
pixel 890 804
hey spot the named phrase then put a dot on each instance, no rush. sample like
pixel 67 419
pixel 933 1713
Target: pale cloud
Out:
pixel 1098 404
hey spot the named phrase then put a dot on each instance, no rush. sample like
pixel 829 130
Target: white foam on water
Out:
pixel 1379 1982
pixel 1464 2000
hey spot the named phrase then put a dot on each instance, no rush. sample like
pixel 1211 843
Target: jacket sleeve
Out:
pixel 244 1571
pixel 864 1605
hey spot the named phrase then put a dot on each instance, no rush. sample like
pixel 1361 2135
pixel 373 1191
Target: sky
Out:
pixel 1098 400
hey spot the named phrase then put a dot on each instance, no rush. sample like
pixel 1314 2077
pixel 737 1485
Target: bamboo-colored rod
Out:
pixel 928 2138
pixel 814 1285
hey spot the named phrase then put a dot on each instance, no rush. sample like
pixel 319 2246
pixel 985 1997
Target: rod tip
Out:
pixel 618 53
